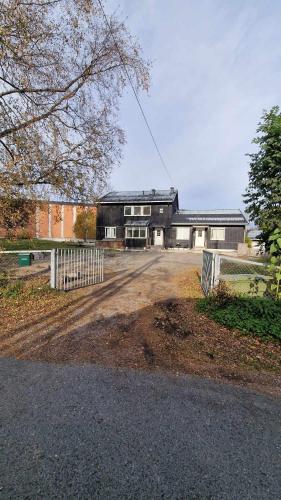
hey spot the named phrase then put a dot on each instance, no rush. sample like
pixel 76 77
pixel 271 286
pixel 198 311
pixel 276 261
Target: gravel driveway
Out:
pixel 133 280
pixel 90 432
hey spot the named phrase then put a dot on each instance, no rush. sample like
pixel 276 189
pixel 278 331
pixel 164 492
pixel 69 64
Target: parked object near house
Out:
pixel 142 219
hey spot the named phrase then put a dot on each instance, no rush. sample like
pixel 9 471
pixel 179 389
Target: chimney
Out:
pixel 153 191
pixel 172 189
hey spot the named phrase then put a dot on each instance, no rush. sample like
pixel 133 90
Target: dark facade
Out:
pixel 232 236
pixel 213 229
pixel 142 219
pixel 138 219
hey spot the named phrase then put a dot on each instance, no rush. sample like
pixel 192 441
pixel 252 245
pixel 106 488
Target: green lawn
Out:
pixel 243 287
pixel 34 244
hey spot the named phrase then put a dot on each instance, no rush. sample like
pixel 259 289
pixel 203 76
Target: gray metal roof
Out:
pixel 232 217
pixel 152 196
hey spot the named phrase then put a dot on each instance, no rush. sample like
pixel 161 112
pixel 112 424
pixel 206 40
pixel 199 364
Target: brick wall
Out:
pixel 52 220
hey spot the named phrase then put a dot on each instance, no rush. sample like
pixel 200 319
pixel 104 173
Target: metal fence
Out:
pixel 207 273
pixel 242 276
pixel 76 268
pixel 62 268
pixel 11 269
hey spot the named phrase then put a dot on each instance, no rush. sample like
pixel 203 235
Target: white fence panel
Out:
pixel 207 273
pixel 76 268
pixel 216 267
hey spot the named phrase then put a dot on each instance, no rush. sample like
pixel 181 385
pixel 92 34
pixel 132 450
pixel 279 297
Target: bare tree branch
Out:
pixel 61 78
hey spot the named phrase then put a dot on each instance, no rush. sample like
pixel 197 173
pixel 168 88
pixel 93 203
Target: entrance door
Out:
pixel 158 237
pixel 199 238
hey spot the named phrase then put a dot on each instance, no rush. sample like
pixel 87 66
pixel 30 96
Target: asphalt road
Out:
pixel 90 432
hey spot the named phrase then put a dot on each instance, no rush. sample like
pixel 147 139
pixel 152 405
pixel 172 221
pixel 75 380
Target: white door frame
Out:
pixel 200 237
pixel 158 236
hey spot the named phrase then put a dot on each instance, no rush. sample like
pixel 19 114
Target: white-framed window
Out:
pixel 183 233
pixel 137 210
pixel 218 233
pixel 136 232
pixel 128 210
pixel 146 210
pixel 161 210
pixel 110 232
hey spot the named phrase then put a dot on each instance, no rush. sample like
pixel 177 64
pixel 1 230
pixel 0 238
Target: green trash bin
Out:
pixel 24 259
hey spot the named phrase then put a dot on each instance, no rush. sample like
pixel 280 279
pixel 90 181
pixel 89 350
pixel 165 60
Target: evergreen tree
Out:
pixel 263 194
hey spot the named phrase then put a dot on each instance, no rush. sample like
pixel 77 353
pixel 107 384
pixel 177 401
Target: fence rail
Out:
pixel 64 268
pixel 240 273
pixel 76 268
pixel 11 270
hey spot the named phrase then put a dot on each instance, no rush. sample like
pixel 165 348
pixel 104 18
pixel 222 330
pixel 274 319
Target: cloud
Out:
pixel 216 66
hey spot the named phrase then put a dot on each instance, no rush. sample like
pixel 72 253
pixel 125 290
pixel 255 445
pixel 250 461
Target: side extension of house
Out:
pixel 213 229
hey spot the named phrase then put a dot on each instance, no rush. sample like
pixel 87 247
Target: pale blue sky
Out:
pixel 216 66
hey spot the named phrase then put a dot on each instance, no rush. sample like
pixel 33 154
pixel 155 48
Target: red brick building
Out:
pixel 52 220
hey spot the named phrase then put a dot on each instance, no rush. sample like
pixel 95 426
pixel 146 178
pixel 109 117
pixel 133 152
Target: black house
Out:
pixel 136 219
pixel 141 219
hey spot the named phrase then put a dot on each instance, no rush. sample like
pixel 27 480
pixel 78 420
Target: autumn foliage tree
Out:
pixel 15 216
pixel 85 225
pixel 61 78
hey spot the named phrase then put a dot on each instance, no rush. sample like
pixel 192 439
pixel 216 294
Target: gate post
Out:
pixel 216 269
pixel 53 268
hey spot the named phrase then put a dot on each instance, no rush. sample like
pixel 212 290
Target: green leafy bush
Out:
pixel 258 315
pixel 274 287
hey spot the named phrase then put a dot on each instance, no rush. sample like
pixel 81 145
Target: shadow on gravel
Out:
pixel 43 330
pixel 168 336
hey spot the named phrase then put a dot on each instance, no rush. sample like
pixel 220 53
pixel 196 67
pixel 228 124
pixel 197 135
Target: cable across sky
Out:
pixel 163 163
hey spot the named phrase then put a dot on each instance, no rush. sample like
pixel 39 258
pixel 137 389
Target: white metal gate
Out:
pixel 207 273
pixel 217 267
pixel 76 268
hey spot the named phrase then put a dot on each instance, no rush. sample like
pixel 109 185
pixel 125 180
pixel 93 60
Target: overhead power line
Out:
pixel 135 93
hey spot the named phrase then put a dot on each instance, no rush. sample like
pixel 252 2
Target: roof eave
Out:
pixel 208 223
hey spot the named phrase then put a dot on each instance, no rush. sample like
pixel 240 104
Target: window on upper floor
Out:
pixel 161 210
pixel 137 210
pixel 218 233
